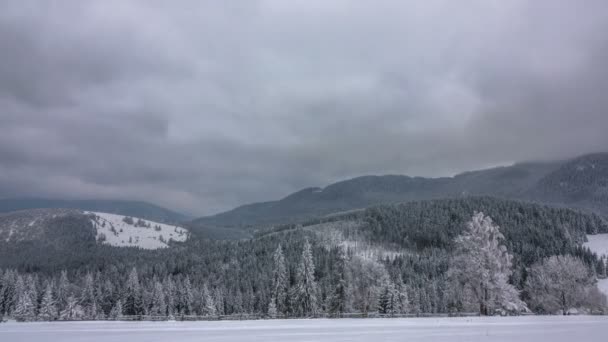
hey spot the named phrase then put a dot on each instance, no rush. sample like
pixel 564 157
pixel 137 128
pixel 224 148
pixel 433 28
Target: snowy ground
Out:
pixel 521 329
pixel 598 243
pixel 141 233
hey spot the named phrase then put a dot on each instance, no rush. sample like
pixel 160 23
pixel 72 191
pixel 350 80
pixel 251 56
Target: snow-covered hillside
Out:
pixel 598 244
pixel 125 231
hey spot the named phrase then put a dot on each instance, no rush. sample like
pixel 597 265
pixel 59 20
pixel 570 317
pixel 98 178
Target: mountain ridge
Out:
pixel 139 209
pixel 529 181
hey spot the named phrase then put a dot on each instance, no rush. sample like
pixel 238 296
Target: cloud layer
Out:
pixel 204 105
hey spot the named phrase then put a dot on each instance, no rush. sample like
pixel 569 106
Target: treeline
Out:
pixel 296 273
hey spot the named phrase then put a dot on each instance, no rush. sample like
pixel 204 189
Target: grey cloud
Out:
pixel 204 105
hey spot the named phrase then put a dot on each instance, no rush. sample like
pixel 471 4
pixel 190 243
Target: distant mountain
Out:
pixel 128 208
pixel 580 183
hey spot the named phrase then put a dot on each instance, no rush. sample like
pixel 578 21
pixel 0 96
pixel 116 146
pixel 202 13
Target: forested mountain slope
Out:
pixel 580 183
pixel 351 262
pixel 127 208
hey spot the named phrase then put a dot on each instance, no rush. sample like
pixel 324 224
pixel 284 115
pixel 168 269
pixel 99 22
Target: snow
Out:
pixel 598 244
pixel 493 329
pixel 119 233
pixel 602 285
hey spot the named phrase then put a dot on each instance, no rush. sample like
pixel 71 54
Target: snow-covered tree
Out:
pixel 272 308
pixel 158 303
pixel 186 297
pixel 388 298
pixel 133 303
pixel 305 292
pixel 481 267
pixel 88 299
pixel 280 281
pixel 117 310
pixel 48 307
pixel 8 292
pixel 559 283
pixel 63 289
pixel 218 299
pixel 338 301
pixel 208 305
pixel 25 309
pixel 72 311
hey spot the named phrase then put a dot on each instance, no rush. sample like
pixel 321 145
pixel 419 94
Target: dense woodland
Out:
pixel 416 258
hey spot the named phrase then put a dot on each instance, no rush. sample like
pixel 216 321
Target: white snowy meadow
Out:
pixel 598 244
pixel 493 329
pixel 125 231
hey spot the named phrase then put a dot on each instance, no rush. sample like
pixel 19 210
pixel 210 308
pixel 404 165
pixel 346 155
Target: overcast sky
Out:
pixel 200 106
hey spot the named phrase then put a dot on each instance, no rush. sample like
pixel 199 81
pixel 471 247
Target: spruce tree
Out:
pixel 306 291
pixel 279 281
pixel 338 299
pixel 48 307
pixel 133 304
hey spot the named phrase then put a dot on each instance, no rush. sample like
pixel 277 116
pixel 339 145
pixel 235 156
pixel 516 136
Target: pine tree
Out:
pixel 63 288
pixel 72 311
pixel 117 310
pixel 48 308
pixel 272 308
pixel 158 305
pixel 218 299
pixel 170 294
pixel 25 309
pixel 279 281
pixel 305 295
pixel 186 301
pixel 339 297
pixel 208 307
pixel 133 304
pixel 8 293
pixel 88 300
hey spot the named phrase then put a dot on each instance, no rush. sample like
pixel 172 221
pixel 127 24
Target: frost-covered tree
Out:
pixel 88 299
pixel 48 307
pixel 338 301
pixel 388 298
pixel 208 306
pixel 280 282
pixel 305 292
pixel 158 303
pixel 117 310
pixel 272 308
pixel 63 289
pixel 170 294
pixel 25 309
pixel 186 297
pixel 559 283
pixel 72 311
pixel 133 301
pixel 481 268
pixel 8 292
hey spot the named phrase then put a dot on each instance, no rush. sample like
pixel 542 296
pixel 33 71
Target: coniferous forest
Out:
pixel 456 256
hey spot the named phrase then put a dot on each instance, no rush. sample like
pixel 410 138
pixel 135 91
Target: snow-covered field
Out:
pixel 521 329
pixel 598 243
pixel 113 230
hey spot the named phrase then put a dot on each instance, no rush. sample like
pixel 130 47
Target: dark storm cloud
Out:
pixel 204 105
